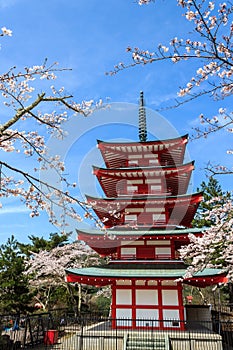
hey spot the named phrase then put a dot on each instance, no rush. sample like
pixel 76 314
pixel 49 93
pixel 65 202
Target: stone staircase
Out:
pixel 135 341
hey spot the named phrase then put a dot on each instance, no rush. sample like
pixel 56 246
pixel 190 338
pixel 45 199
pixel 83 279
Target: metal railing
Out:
pixel 93 332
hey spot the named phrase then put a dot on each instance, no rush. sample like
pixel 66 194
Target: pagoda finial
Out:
pixel 142 119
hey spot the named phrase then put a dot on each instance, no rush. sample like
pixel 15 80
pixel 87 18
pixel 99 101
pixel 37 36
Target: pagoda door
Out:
pixel 145 253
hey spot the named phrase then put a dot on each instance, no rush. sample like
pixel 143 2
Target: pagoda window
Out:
pixel 163 252
pixel 123 283
pixel 154 161
pixel 154 181
pixel 155 210
pixel 131 219
pixel 135 156
pixel 140 283
pixel 133 162
pixel 159 218
pixel 132 242
pixel 168 283
pixel 132 189
pixel 134 182
pixel 152 283
pixel 128 253
pixel 159 242
pixel 156 188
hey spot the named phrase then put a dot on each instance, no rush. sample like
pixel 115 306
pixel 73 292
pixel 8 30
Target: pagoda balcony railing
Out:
pixel 138 258
pixel 143 193
pixel 154 224
pixel 134 223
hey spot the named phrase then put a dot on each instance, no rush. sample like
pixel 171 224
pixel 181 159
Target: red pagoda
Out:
pixel 147 217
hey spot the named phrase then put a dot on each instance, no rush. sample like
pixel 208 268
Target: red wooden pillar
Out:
pixel 113 306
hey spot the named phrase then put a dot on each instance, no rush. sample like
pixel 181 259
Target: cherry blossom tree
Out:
pixel 210 44
pixel 28 118
pixel 214 248
pixel 47 269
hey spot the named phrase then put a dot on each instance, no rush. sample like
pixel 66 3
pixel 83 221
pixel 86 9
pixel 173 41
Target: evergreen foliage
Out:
pixel 15 296
pixel 40 243
pixel 212 189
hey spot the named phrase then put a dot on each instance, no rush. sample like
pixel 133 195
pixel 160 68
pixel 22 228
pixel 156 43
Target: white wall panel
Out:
pixel 163 251
pixel 124 317
pixel 146 297
pixel 173 316
pixel 147 315
pixel 170 297
pixel 128 251
pixel 124 296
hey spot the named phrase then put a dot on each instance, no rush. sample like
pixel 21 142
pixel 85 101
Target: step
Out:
pixel 145 347
pixel 148 342
pixel 134 343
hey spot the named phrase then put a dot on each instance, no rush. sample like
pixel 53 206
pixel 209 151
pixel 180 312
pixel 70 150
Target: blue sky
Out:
pixel 91 37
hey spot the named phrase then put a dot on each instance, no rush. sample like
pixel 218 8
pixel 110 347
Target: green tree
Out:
pixel 40 243
pixel 15 296
pixel 212 189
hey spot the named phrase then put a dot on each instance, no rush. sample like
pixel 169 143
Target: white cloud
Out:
pixel 13 210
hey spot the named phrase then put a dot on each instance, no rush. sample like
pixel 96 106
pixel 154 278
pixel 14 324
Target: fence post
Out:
pixel 190 342
pixel 81 337
pixel 116 336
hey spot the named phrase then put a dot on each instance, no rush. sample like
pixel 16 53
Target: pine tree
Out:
pixel 210 190
pixel 40 243
pixel 15 296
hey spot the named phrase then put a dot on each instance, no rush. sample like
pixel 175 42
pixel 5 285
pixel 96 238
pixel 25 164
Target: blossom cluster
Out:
pixel 214 248
pixel 46 112
pixel 50 265
pixel 209 43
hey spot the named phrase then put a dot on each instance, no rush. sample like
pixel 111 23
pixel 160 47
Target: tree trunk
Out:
pixel 79 297
pixel 230 289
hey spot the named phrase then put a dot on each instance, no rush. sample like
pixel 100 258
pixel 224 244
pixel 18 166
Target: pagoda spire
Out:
pixel 142 119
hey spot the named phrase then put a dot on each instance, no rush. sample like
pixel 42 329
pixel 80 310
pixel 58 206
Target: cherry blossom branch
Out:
pixel 218 170
pixel 65 197
pixel 20 113
pixel 211 45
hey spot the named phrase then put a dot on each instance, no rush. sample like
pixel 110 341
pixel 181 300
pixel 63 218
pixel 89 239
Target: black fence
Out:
pixel 61 330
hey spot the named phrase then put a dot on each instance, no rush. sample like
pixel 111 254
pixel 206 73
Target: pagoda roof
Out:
pixel 128 172
pixel 145 198
pixel 176 177
pixel 108 274
pixel 179 210
pixel 106 242
pixel 115 154
pixel 142 145
pixel 140 232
